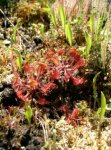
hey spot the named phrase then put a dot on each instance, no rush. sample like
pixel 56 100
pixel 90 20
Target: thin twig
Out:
pixel 12 24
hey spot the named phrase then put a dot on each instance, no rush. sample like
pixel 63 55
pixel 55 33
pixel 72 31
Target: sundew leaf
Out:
pixel 62 16
pixel 88 44
pixel 68 33
pixel 28 114
pixel 103 106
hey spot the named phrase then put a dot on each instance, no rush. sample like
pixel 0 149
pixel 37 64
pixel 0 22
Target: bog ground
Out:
pixel 55 75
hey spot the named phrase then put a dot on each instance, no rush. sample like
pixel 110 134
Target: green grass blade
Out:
pixel 62 16
pixel 54 140
pixel 53 18
pixel 19 60
pixel 68 33
pixel 103 106
pixel 99 26
pixel 108 106
pixel 95 94
pixel 88 44
pixel 42 30
pixel 91 24
pixel 13 38
pixel 28 114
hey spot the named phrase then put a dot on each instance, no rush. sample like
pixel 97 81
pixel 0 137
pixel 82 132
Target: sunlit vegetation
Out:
pixel 55 74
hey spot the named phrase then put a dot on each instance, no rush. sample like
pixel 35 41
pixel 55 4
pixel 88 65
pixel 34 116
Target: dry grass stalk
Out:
pixel 73 7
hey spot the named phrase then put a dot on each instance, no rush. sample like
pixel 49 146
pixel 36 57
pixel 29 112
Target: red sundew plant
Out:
pixel 56 71
pixel 74 118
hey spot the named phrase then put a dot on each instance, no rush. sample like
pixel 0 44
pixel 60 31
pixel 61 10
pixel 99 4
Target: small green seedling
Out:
pixel 28 114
